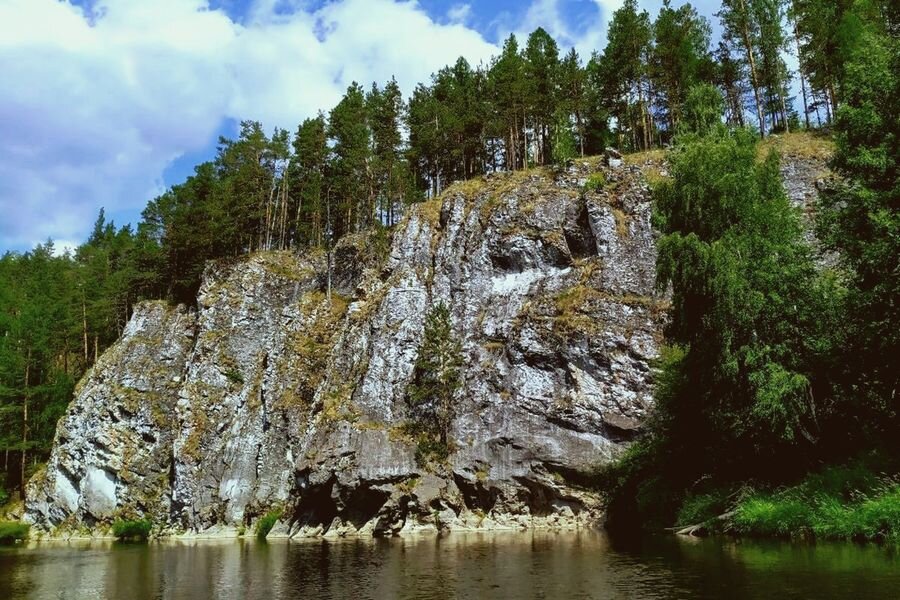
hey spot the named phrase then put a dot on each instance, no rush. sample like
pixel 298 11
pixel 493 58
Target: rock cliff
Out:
pixel 269 396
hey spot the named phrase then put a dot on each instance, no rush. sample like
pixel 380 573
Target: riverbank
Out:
pixel 849 502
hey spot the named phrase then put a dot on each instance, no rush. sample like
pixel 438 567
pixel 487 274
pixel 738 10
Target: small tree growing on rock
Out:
pixel 437 379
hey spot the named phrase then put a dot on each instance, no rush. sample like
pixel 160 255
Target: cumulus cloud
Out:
pixel 95 106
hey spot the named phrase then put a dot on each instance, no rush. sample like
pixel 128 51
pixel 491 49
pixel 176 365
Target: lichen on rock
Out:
pixel 271 395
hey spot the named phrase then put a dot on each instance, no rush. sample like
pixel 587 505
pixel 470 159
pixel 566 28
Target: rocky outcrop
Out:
pixel 269 395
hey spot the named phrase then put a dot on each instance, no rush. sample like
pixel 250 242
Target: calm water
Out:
pixel 514 565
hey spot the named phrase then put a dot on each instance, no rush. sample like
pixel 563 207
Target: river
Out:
pixel 570 565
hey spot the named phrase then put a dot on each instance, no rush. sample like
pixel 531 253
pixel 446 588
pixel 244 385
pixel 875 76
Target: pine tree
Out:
pixel 307 182
pixel 741 30
pixel 349 173
pixel 572 96
pixel 437 379
pixel 506 85
pixel 540 83
pixel 680 57
pixel 386 110
pixel 623 73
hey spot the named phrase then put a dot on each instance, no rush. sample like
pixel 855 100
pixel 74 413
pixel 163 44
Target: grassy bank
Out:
pixel 850 502
pixel 13 531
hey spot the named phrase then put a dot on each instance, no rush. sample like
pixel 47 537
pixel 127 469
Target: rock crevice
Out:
pixel 269 397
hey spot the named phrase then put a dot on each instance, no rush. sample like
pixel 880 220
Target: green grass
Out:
pixel 266 523
pixel 770 516
pixel 595 183
pixel 843 503
pixel 13 531
pixel 138 530
pixel 701 508
pixel 852 502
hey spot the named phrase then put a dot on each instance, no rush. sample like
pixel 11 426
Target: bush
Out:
pixel 266 523
pixel 595 183
pixel 429 450
pixel 235 377
pixel 13 531
pixel 132 530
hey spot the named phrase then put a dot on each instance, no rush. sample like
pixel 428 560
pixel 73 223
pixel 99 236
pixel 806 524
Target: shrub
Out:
pixel 595 183
pixel 13 531
pixel 430 450
pixel 235 377
pixel 138 530
pixel 266 523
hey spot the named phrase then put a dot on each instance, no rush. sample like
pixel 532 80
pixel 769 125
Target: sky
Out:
pixel 106 103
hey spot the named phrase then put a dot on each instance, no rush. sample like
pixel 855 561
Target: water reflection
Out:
pixel 508 565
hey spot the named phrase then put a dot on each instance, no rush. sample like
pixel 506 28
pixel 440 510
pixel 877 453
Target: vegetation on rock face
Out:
pixel 437 379
pixel 266 523
pixel 128 530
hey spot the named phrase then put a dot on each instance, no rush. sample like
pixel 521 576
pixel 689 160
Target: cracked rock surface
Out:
pixel 269 396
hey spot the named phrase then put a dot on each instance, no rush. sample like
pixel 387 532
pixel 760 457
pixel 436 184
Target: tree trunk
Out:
pixel 800 71
pixel 784 115
pixel 25 420
pixel 834 101
pixel 330 234
pixel 751 61
pixel 525 137
pixel 84 327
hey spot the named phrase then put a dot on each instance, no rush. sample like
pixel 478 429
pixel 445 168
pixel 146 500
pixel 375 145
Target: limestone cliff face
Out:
pixel 270 396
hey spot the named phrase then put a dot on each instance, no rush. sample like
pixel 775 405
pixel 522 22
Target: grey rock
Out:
pixel 267 396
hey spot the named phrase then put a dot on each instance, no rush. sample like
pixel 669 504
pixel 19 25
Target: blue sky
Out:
pixel 108 102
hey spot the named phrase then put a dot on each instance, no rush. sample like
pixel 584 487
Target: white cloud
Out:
pixel 92 112
pixel 459 13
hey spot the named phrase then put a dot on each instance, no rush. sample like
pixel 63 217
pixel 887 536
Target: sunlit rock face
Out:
pixel 269 396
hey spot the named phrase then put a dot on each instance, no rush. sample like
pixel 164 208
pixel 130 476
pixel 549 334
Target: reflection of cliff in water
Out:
pixel 459 565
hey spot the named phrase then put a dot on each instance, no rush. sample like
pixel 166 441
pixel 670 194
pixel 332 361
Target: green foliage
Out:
pixel 595 182
pixel 430 450
pixel 234 376
pixel 680 57
pixel 127 530
pixel 741 388
pixel 859 218
pixel 701 508
pixel 564 140
pixel 733 253
pixel 432 396
pixel 826 506
pixel 703 109
pixel 13 531
pixel 766 516
pixel 267 522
